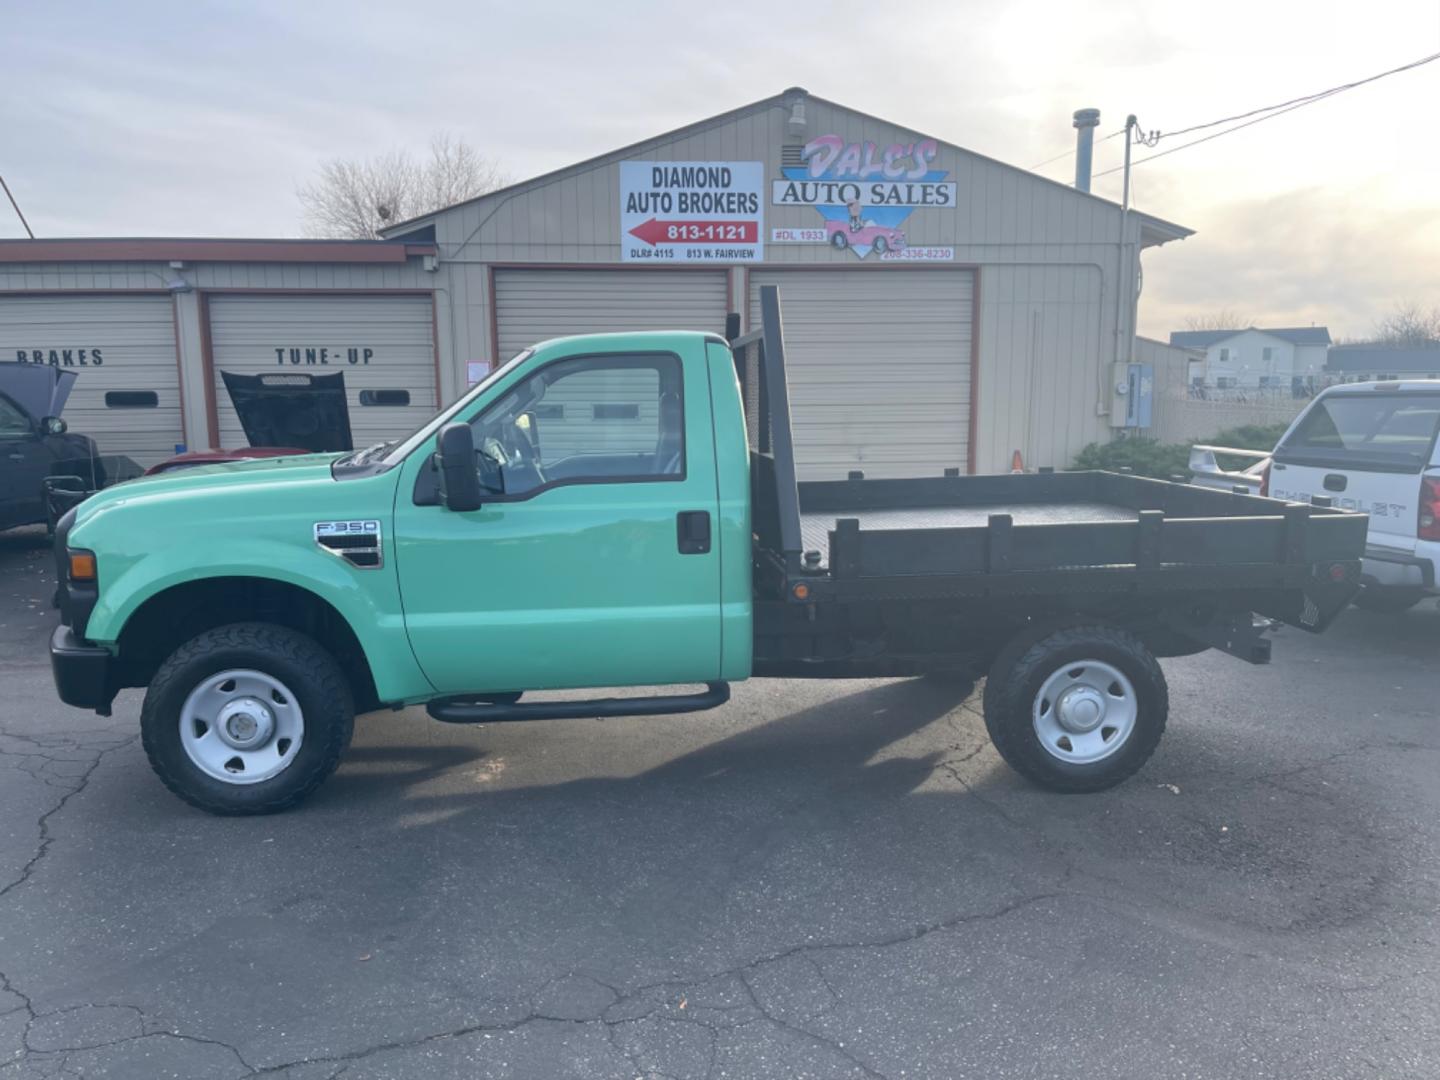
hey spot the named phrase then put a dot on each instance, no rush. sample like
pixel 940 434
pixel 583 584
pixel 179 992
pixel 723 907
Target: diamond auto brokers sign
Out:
pixel 691 211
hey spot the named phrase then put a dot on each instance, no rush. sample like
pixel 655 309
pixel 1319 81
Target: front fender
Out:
pixel 369 600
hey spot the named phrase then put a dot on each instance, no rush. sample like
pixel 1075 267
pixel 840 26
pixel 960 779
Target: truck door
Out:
pixel 1366 451
pixel 591 562
pixel 24 464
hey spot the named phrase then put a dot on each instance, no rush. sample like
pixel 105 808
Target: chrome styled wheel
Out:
pixel 241 726
pixel 1085 711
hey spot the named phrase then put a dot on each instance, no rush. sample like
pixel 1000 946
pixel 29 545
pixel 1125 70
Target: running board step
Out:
pixel 471 711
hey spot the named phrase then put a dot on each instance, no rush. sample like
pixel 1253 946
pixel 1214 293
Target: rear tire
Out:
pixel 1388 600
pixel 277 701
pixel 1079 710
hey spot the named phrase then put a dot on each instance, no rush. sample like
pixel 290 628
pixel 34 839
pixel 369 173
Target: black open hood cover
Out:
pixel 39 389
pixel 292 409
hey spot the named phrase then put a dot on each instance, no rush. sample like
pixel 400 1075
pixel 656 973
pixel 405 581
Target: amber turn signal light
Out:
pixel 82 566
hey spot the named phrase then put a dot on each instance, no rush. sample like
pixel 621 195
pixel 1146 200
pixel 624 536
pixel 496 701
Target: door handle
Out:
pixel 692 532
pixel 17 457
pixel 1336 482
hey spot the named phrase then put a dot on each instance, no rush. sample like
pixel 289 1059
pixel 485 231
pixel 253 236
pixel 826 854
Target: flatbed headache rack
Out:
pixel 1072 535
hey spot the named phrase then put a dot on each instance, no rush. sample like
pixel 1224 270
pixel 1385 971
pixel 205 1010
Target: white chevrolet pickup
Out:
pixel 1371 447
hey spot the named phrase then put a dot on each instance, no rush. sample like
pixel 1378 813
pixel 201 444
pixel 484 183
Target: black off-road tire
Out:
pixel 1016 678
pixel 299 662
pixel 1388 600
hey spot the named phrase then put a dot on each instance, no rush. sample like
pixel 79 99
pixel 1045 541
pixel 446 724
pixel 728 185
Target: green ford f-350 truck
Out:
pixel 621 510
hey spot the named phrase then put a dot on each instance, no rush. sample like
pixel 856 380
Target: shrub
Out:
pixel 1150 457
pixel 1250 436
pixel 1143 457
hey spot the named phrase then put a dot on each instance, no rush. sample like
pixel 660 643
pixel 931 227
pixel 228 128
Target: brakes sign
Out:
pixel 691 211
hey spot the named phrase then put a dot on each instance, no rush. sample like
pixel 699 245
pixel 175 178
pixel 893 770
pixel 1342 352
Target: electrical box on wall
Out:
pixel 1132 395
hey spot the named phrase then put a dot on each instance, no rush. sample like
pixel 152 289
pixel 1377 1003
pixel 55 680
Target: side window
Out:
pixel 13 422
pixel 591 419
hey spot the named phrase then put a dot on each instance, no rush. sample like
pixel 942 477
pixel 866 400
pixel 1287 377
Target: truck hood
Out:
pixel 39 389
pixel 205 480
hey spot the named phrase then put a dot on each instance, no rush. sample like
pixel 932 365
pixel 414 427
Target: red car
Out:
pixel 220 457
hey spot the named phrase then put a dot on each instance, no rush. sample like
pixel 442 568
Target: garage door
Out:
pixel 382 346
pixel 532 305
pixel 127 395
pixel 879 368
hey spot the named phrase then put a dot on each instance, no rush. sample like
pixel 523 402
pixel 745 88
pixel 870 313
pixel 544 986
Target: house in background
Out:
pixel 1286 358
pixel 1364 363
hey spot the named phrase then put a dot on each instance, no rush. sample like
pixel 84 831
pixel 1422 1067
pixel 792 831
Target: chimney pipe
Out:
pixel 1086 120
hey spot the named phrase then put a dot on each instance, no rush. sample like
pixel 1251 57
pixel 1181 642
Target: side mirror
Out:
pixel 455 462
pixel 53 425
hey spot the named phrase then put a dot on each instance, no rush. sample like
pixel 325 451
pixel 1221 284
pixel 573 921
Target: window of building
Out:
pixel 131 399
pixel 384 397
pixel 590 419
pixel 1224 356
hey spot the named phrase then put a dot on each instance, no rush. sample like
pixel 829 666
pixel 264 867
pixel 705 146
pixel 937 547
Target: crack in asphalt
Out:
pixel 785 1025
pixel 43 822
pixel 739 972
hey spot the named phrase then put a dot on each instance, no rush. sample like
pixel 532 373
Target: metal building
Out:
pixel 155 327
pixel 942 309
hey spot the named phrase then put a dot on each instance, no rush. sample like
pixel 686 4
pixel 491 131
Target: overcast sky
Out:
pixel 202 118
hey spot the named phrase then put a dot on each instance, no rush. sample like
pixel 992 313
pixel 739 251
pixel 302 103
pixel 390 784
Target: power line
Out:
pixel 1270 113
pixel 1067 153
pixel 1319 94
pixel 16 205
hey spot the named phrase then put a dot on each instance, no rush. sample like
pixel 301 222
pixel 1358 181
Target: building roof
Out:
pixel 1379 358
pixel 194 249
pixel 1295 335
pixel 1154 230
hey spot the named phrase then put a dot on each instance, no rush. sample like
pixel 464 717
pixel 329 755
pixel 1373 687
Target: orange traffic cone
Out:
pixel 1016 464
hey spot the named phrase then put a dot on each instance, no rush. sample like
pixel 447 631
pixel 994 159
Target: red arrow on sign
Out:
pixel 696 232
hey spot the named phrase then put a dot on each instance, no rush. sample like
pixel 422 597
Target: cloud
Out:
pixel 1332 257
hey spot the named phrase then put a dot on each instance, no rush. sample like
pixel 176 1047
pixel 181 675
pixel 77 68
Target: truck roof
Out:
pixel 637 337
pixel 1388 385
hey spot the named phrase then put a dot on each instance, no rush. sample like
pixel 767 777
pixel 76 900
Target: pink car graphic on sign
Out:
pixel 867 235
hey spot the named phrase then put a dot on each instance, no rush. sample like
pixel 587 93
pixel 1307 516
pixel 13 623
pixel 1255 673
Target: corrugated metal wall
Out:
pixel 1048 262
pixel 215 278
pixel 878 367
pixel 1047 257
pixel 532 305
pixel 377 343
pixel 122 349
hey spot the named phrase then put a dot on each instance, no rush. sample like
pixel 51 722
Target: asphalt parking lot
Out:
pixel 819 880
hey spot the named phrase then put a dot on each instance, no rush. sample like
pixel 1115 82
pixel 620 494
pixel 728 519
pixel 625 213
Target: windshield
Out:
pixel 402 449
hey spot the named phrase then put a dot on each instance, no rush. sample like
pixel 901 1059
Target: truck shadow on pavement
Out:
pixel 716 878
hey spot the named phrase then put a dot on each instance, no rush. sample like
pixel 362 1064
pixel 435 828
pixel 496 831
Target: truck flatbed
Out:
pixel 892 575
pixel 816 525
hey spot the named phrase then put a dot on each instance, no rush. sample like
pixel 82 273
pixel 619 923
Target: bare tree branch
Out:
pixel 354 200
pixel 1408 326
pixel 1224 319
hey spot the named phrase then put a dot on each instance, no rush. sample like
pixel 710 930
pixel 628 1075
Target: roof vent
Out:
pixel 795 126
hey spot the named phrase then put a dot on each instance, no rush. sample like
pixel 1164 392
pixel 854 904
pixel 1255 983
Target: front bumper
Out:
pixel 83 672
